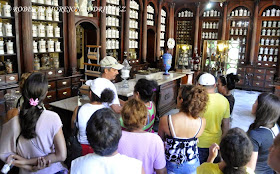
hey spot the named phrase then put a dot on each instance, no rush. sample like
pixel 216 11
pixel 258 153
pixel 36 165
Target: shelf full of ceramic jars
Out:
pixel 7 34
pixel 150 15
pixel 46 11
pixel 133 30
pixel 240 12
pixel 162 28
pixel 185 14
pixel 210 30
pixel 211 13
pixel 271 12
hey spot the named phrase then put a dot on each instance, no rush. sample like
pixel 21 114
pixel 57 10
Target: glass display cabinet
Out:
pixel 220 57
pixel 184 59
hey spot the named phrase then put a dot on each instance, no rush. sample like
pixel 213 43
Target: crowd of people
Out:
pixel 118 137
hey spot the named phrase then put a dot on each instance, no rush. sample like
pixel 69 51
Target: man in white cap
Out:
pixel 217 117
pixel 109 71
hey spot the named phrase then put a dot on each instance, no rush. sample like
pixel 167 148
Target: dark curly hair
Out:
pixel 268 111
pixel 134 113
pixel 104 132
pixel 195 99
pixel 236 150
pixel 107 96
pixel 146 89
pixel 229 81
pixel 35 87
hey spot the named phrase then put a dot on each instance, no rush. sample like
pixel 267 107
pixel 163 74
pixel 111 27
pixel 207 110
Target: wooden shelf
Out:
pixel 272 28
pixel 238 27
pixel 48 52
pixel 39 20
pixel 211 18
pixel 47 37
pixel 109 26
pixel 269 18
pixel 238 18
pixel 4 17
pixel 8 54
pixel 269 45
pixel 270 36
pixel 8 37
pixel 112 15
pixel 46 5
pixel 208 29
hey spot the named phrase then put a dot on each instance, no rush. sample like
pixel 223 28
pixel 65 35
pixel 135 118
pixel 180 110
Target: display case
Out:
pixel 113 28
pixel 9 44
pixel 184 59
pixel 210 25
pixel 239 29
pixel 220 57
pixel 48 37
pixel 185 27
pixel 134 30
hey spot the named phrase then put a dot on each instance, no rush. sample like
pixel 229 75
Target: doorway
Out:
pixel 151 48
pixel 86 34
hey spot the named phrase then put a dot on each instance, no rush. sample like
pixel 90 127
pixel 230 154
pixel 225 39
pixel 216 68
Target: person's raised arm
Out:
pixel 213 152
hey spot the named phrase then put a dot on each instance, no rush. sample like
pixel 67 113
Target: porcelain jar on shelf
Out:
pixel 34 13
pixel 50 44
pixel 2 47
pixel 266 50
pixel 8 29
pixel 41 30
pixel 42 46
pixel 49 14
pixel 264 23
pixel 57 31
pixel 57 46
pixel 265 58
pixel 35 47
pixel 55 2
pixel 10 47
pixel 56 15
pixel 261 50
pixel 7 10
pixel 1 29
pixel 41 13
pixel 48 2
pixel 36 63
pixel 49 30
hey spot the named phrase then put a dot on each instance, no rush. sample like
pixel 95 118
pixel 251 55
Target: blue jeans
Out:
pixel 185 168
pixel 204 153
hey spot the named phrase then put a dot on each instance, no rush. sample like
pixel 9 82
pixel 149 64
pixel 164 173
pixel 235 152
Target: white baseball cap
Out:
pixel 110 62
pixel 207 79
pixel 97 86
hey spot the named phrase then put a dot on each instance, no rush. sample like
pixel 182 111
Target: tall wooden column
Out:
pixel 158 30
pixel 254 32
pixel 72 39
pixel 171 21
pixel 27 38
pixel 103 30
pixel 196 28
pixel 126 29
pixel 171 24
pixel 144 31
pixel 224 27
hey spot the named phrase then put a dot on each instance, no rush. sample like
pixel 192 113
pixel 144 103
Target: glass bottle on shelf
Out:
pixel 9 66
pixel 36 63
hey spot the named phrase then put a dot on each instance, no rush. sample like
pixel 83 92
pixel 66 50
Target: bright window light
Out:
pixel 209 5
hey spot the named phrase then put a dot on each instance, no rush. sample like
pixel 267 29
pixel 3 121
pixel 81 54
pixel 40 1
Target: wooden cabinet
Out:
pixel 9 43
pixel 167 96
pixel 210 24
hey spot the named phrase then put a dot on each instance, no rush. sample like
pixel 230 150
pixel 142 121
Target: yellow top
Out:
pixel 213 168
pixel 217 109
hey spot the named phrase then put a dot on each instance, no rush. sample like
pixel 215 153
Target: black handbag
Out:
pixel 74 148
